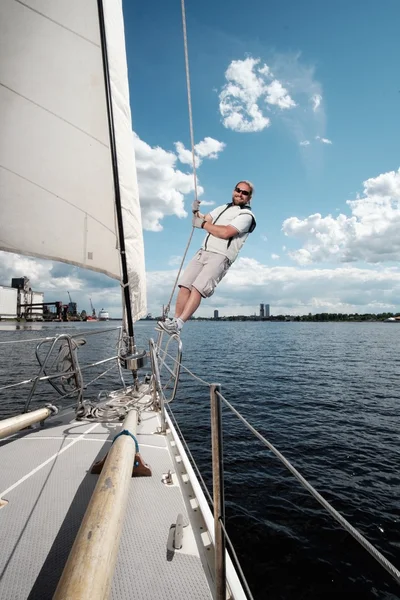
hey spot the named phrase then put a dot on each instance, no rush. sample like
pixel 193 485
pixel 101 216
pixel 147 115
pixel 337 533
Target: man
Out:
pixel 227 227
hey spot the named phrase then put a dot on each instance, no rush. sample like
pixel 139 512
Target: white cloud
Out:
pixel 275 256
pixel 316 100
pixel 299 291
pixel 55 280
pixel 207 203
pixel 207 148
pixel 39 272
pixel 370 234
pixel 318 138
pixel 323 140
pixel 277 95
pixel 163 186
pixel 174 261
pixel 248 84
pixel 289 290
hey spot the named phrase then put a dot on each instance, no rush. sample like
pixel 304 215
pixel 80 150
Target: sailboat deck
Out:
pixel 45 476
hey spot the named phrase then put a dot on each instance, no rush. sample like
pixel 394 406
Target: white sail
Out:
pixel 57 197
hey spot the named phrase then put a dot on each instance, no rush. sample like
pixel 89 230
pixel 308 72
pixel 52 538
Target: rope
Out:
pixel 185 44
pixel 191 129
pixel 168 307
pixel 26 341
pixel 203 381
pixel 98 377
pixel 126 432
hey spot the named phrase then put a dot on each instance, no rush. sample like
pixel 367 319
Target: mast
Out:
pixel 113 148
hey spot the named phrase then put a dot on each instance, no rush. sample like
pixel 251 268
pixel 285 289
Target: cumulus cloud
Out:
pixel 40 273
pixel 290 290
pixel 162 185
pixel 275 256
pixel 323 140
pixel 299 291
pixel 370 234
pixel 255 93
pixel 250 86
pixel 207 148
pixel 55 280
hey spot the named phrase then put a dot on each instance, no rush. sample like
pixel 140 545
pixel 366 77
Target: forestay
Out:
pixel 57 191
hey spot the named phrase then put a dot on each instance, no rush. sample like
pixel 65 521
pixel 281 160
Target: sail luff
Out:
pixel 113 149
pixel 132 249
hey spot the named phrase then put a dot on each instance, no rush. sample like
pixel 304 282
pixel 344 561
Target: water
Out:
pixel 326 395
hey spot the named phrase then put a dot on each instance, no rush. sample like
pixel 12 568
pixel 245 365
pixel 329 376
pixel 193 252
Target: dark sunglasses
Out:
pixel 239 191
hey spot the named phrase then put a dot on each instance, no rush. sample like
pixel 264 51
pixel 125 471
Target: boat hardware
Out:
pixel 136 361
pixel 139 468
pixel 178 532
pixel 167 478
pixel 175 537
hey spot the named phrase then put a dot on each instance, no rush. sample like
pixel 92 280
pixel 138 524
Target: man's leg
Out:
pixel 183 297
pixel 192 304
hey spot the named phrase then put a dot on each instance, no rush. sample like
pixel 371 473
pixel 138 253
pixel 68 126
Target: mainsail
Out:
pixel 57 175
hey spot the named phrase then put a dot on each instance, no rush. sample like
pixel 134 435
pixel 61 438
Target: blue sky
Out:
pixel 303 99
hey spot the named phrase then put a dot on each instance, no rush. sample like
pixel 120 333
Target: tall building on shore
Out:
pixel 216 314
pixel 266 311
pixel 261 310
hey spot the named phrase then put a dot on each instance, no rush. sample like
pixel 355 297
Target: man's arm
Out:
pixel 220 231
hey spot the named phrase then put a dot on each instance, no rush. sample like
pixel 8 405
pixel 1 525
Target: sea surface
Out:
pixel 327 395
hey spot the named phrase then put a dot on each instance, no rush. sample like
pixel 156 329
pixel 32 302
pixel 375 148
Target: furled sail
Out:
pixel 57 173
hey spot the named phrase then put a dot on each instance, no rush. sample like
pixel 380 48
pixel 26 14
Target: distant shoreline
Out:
pixel 317 318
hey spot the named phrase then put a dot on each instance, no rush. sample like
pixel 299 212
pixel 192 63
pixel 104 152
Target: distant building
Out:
pixel 8 302
pixel 29 303
pixel 216 314
pixel 261 310
pixel 266 311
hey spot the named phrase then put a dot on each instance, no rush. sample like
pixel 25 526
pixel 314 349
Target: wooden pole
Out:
pixel 90 566
pixel 14 424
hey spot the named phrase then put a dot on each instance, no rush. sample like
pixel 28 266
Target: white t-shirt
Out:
pixel 239 217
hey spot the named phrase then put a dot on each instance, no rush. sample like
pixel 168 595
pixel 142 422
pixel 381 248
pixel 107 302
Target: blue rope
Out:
pixel 126 432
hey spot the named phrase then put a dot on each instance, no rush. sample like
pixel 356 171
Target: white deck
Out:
pixel 45 476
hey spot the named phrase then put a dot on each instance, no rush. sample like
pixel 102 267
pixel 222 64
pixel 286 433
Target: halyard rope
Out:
pixel 189 98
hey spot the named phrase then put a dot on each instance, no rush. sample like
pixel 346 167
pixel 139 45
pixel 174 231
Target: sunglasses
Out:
pixel 244 192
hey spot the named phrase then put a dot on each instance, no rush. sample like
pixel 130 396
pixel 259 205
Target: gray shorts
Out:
pixel 204 271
